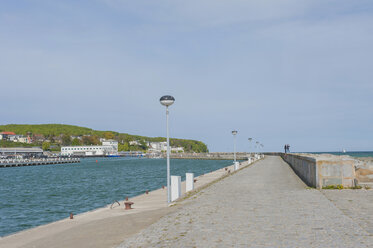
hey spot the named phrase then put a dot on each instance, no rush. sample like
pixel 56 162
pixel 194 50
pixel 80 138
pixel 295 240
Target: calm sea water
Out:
pixel 352 154
pixel 32 196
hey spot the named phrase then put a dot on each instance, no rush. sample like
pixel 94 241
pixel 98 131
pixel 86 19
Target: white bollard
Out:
pixel 189 182
pixel 175 187
pixel 250 160
pixel 236 165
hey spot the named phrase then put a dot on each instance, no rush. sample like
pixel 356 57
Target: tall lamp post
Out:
pixel 168 101
pixel 234 132
pixel 250 139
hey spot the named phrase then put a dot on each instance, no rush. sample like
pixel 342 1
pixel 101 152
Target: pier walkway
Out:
pixel 264 205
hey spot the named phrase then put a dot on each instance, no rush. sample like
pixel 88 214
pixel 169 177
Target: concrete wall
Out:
pixel 322 170
pixel 304 167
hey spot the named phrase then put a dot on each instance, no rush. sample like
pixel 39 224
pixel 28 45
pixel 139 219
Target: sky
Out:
pixel 295 72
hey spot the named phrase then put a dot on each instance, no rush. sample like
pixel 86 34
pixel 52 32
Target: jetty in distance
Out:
pixel 37 161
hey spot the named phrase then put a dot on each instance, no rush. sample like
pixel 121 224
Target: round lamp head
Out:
pixel 167 100
pixel 250 139
pixel 234 132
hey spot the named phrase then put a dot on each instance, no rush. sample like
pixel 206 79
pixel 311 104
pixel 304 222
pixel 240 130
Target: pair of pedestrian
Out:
pixel 287 148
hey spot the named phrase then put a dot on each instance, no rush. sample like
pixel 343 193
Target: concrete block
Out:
pixel 331 170
pixel 331 181
pixel 250 160
pixel 348 170
pixel 175 187
pixel 348 182
pixel 189 182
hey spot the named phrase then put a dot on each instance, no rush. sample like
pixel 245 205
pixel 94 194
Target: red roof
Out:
pixel 8 133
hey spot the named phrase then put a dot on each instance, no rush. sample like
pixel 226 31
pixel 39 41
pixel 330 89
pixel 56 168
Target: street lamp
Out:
pixel 168 101
pixel 234 132
pixel 250 139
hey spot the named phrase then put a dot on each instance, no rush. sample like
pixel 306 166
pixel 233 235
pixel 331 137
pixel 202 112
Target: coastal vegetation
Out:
pixel 5 143
pixel 53 136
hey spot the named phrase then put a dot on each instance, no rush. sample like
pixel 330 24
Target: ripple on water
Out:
pixel 36 195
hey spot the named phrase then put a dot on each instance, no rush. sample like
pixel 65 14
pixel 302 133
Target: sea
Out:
pixel 35 195
pixel 352 154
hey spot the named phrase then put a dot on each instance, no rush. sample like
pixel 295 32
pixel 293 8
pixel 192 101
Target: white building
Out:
pixel 108 147
pixel 158 146
pixel 177 149
pixel 112 143
pixel 162 146
pixel 134 143
pixel 22 139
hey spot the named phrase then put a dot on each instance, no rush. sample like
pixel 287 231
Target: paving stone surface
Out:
pixel 357 204
pixel 265 205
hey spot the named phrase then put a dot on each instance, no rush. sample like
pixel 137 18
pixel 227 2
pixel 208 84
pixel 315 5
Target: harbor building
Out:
pixel 22 151
pixel 158 146
pixel 162 147
pixel 108 148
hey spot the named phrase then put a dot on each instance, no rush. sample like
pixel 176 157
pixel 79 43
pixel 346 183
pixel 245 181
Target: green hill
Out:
pixel 59 134
pixel 47 129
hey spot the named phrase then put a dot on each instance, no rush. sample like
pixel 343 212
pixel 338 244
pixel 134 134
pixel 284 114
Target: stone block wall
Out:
pixel 304 167
pixel 322 170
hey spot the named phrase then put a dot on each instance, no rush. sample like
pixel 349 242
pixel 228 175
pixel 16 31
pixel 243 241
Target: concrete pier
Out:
pixel 264 205
pixel 32 162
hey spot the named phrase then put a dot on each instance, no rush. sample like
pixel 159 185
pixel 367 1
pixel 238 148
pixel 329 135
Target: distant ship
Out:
pixel 344 150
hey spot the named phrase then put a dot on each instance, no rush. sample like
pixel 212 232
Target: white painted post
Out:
pixel 236 165
pixel 189 182
pixel 249 160
pixel 175 187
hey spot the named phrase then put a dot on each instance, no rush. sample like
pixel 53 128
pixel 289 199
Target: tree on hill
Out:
pixel 46 146
pixel 123 147
pixel 66 140
pixel 109 135
pixel 90 140
pixel 75 142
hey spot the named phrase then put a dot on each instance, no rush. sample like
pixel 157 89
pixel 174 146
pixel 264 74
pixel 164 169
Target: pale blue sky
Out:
pixel 291 71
